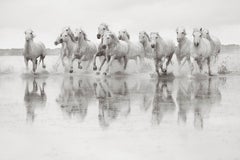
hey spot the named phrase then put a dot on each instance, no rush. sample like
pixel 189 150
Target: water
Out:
pixel 84 116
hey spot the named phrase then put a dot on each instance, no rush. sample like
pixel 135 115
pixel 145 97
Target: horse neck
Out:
pixel 159 43
pixel 81 42
pixel 146 45
pixel 28 46
pixel 70 44
pixel 182 42
pixel 113 44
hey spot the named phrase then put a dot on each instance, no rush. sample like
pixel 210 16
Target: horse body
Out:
pixel 33 50
pixel 102 28
pixel 115 49
pixel 201 50
pixel 63 50
pixel 144 39
pixel 85 48
pixel 163 50
pixel 183 50
pixel 214 42
pixel 136 49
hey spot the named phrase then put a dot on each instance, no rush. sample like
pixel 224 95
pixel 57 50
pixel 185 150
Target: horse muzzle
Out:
pixel 196 44
pixel 120 37
pixel 56 43
pixel 76 38
pixel 153 45
pixel 98 36
pixel 104 46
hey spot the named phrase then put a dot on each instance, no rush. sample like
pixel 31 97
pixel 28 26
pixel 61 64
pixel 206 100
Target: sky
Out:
pixel 47 18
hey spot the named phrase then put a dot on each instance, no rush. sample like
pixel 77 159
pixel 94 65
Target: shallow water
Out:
pixel 84 116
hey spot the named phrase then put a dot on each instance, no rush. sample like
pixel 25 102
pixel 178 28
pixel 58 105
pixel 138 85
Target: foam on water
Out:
pixel 227 63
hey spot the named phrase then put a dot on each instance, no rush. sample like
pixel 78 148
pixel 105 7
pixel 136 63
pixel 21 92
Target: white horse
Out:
pixel 32 50
pixel 145 40
pixel 136 49
pixel 214 42
pixel 183 50
pixel 102 28
pixel 201 50
pixel 163 50
pixel 63 50
pixel 85 48
pixel 115 48
pixel 71 47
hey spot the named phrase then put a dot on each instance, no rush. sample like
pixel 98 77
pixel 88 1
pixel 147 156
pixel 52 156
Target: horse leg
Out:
pixel 42 58
pixel 71 65
pixel 34 63
pixel 103 61
pixel 109 64
pixel 157 67
pixel 209 66
pixel 89 62
pixel 80 61
pixel 190 66
pixel 125 62
pixel 26 63
pixel 94 62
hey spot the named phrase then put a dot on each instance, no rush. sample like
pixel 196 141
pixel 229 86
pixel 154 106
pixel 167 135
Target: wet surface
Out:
pixel 124 117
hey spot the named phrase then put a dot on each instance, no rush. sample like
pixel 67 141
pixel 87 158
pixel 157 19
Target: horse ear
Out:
pixel 158 34
pixel 128 35
pixel 147 36
pixel 201 29
pixel 85 35
pixel 184 31
pixel 176 29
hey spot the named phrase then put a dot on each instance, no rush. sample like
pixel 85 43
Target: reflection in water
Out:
pixel 159 98
pixel 162 101
pixel 74 96
pixel 36 98
pixel 113 100
pixel 198 96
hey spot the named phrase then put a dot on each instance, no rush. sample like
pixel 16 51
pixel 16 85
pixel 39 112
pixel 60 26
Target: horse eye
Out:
pixel 103 28
pixel 177 32
pixel 182 32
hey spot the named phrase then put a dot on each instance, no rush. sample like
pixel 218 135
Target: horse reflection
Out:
pixel 36 98
pixel 206 95
pixel 184 96
pixel 74 97
pixel 163 101
pixel 198 96
pixel 113 100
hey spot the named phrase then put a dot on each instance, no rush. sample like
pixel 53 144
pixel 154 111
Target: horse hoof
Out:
pixel 104 73
pixel 94 68
pixel 97 73
pixel 44 66
pixel 71 71
pixel 79 67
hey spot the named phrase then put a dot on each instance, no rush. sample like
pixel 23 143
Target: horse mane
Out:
pixel 127 34
pixel 145 33
pixel 71 35
pixel 114 37
pixel 84 35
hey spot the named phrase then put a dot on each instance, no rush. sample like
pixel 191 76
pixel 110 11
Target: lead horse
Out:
pixel 163 50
